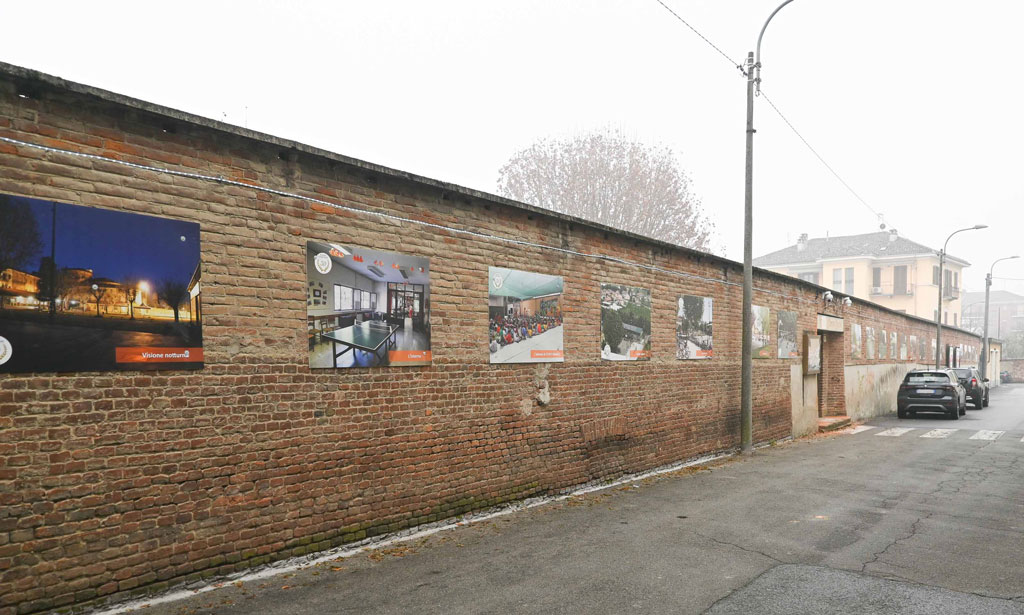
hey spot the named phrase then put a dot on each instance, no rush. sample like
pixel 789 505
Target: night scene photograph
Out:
pixel 86 289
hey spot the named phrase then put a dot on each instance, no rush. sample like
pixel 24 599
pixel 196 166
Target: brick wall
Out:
pixel 113 484
pixel 1014 366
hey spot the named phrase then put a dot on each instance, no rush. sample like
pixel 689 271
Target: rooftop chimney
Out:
pixel 893 235
pixel 801 243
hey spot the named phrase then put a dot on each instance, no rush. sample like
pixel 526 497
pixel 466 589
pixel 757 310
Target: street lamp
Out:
pixel 938 312
pixel 984 339
pixel 753 70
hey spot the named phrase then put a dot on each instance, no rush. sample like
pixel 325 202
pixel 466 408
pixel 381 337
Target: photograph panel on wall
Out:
pixel 894 349
pixel 913 349
pixel 812 354
pixel 87 289
pixel 855 341
pixel 789 343
pixel 760 334
pixel 625 323
pixel 883 344
pixel 525 309
pixel 694 328
pixel 903 347
pixel 374 308
pixel 922 350
pixel 869 337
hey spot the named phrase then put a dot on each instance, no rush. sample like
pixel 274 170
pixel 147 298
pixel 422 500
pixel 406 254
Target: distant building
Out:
pixel 1005 313
pixel 18 287
pixel 882 267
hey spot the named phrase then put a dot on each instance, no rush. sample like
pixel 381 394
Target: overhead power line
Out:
pixel 734 63
pixel 820 158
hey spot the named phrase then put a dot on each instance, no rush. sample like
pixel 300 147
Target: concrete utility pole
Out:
pixel 984 339
pixel 753 70
pixel 938 315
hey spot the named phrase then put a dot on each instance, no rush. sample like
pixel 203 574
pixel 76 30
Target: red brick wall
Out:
pixel 118 483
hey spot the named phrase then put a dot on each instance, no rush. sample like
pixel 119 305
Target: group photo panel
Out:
pixel 525 316
pixel 88 289
pixel 366 308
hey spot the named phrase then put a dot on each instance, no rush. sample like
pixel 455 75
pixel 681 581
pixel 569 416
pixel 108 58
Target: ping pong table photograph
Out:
pixel 371 336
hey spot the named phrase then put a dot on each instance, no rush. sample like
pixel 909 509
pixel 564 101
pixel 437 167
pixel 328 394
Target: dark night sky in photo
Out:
pixel 116 244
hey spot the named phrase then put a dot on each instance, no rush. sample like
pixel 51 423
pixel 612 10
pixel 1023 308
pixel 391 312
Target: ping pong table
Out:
pixel 370 336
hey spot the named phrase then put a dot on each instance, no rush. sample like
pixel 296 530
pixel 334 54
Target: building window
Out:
pixel 935 315
pixel 954 319
pixel 956 279
pixel 849 280
pixel 837 279
pixel 935 275
pixel 809 277
pixel 342 298
pixel 945 317
pixel 876 277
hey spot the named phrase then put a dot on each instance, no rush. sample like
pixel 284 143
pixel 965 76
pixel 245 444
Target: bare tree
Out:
pixel 613 180
pixel 19 236
pixel 174 294
pixel 130 291
pixel 99 292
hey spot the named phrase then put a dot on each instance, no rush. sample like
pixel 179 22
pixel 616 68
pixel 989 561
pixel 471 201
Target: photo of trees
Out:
pixel 694 328
pixel 788 343
pixel 761 337
pixel 625 323
pixel 88 289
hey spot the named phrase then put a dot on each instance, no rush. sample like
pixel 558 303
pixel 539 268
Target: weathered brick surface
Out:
pixel 118 483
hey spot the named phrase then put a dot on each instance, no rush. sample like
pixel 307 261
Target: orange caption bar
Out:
pixel 546 354
pixel 639 354
pixel 145 354
pixel 408 357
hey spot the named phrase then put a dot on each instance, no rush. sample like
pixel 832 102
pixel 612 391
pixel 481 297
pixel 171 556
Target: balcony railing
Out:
pixel 889 290
pixel 950 293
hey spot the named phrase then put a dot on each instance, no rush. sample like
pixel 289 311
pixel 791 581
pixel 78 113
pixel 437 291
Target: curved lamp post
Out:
pixel 984 339
pixel 938 315
pixel 753 69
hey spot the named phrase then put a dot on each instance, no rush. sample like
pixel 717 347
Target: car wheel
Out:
pixel 978 403
pixel 953 413
pixel 901 413
pixel 984 402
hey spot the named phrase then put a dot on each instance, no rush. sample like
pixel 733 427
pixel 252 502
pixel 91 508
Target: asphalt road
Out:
pixel 847 523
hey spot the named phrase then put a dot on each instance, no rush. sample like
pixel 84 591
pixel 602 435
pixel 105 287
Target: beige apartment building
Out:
pixel 881 267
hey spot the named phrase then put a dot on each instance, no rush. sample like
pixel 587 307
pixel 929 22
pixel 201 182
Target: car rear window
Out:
pixel 928 378
pixel 962 373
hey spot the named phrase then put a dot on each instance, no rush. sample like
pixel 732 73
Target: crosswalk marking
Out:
pixel 985 434
pixel 860 428
pixel 938 433
pixel 895 431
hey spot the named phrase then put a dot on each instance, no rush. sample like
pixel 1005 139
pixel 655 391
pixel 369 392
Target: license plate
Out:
pixel 926 391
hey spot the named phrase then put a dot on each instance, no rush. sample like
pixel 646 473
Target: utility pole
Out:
pixel 984 339
pixel 938 314
pixel 753 71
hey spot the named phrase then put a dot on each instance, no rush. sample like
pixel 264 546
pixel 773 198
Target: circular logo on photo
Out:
pixel 5 350
pixel 323 263
pixel 497 281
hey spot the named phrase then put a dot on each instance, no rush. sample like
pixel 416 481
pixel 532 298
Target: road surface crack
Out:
pixel 913 532
pixel 740 547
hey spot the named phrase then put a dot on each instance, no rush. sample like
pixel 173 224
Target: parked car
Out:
pixel 934 390
pixel 977 387
pixel 1004 376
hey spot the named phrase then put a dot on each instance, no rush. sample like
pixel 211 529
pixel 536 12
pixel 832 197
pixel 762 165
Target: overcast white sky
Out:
pixel 916 103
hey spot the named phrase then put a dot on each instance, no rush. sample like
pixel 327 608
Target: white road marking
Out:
pixel 895 431
pixel 985 434
pixel 938 433
pixel 860 428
